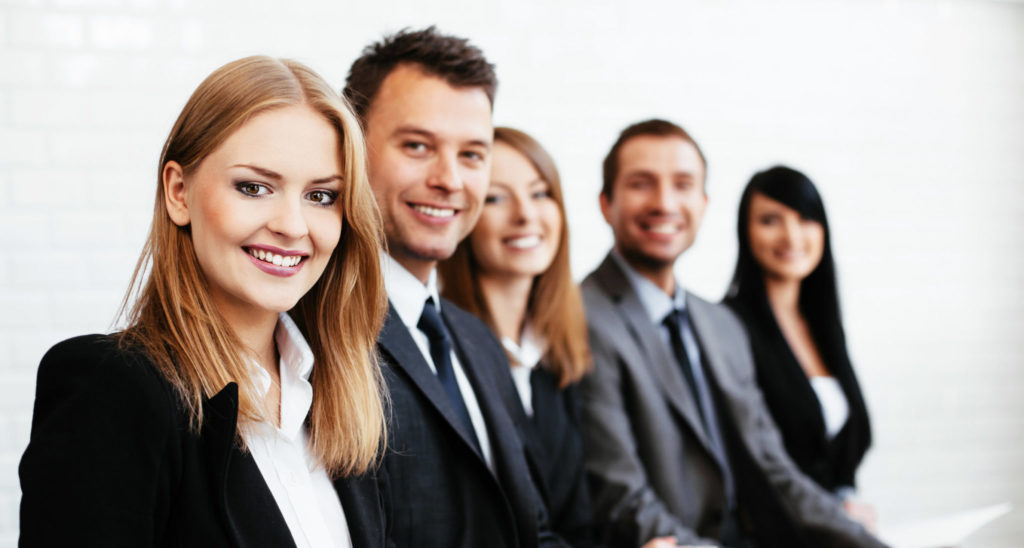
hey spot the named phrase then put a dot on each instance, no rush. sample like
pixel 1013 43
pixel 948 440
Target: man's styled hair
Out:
pixel 449 58
pixel 655 128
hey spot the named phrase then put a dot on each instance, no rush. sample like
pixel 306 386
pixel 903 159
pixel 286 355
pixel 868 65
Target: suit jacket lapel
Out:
pixel 503 431
pixel 246 505
pixel 396 340
pixel 360 498
pixel 652 346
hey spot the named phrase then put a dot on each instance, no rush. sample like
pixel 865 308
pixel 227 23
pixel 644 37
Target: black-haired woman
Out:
pixel 784 289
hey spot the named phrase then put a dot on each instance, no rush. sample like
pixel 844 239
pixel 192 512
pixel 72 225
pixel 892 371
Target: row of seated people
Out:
pixel 282 382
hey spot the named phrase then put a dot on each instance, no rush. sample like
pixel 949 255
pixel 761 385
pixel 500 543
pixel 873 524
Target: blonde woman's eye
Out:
pixel 322 197
pixel 251 189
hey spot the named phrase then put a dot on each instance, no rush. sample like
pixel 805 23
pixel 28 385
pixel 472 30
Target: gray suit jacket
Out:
pixel 651 466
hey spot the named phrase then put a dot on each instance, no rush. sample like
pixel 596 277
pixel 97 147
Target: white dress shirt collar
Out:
pixel 294 369
pixel 407 293
pixel 524 357
pixel 301 487
pixel 656 303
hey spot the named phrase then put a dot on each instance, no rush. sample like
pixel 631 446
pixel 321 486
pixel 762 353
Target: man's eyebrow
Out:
pixel 416 130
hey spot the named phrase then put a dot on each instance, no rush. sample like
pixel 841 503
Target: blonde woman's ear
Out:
pixel 174 193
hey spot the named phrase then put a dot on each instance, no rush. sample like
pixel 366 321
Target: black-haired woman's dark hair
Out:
pixel 819 294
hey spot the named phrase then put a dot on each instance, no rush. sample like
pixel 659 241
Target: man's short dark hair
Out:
pixel 654 128
pixel 449 58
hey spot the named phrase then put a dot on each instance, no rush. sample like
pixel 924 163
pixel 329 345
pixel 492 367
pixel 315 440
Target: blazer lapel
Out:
pixel 502 428
pixel 245 503
pixel 396 340
pixel 652 346
pixel 364 511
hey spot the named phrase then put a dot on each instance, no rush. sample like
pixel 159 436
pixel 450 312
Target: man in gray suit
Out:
pixel 678 439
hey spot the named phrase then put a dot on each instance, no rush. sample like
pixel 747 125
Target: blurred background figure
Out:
pixel 513 273
pixel 784 289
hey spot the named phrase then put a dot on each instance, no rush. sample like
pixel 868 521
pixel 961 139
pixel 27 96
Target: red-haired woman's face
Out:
pixel 785 244
pixel 521 224
pixel 264 210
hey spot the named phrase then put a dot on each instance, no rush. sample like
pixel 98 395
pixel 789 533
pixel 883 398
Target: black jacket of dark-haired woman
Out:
pixel 793 404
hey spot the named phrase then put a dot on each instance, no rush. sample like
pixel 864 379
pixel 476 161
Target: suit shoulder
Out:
pixel 595 298
pixel 723 316
pixel 467 324
pixel 105 364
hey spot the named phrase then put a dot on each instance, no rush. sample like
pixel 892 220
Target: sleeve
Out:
pixel 816 510
pixel 626 509
pixel 96 470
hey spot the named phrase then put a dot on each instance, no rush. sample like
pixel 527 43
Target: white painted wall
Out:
pixel 908 114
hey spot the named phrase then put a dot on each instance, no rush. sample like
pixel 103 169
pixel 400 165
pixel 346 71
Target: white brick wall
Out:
pixel 908 113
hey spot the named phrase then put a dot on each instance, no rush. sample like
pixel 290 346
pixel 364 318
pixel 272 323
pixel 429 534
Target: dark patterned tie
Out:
pixel 441 352
pixel 674 322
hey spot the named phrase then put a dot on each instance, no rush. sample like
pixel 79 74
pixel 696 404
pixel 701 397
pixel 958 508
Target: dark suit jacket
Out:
pixel 440 490
pixel 795 408
pixel 111 462
pixel 654 472
pixel 555 451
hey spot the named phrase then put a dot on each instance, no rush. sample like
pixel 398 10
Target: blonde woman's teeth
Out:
pixel 525 242
pixel 275 259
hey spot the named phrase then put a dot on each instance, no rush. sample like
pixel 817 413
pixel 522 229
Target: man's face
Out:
pixel 429 148
pixel 657 200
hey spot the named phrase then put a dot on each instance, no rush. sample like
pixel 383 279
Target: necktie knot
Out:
pixel 431 323
pixel 675 319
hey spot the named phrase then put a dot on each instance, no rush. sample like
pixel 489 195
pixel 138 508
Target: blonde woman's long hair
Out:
pixel 555 309
pixel 173 318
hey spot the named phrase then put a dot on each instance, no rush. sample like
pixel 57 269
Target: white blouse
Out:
pixel 300 486
pixel 524 358
pixel 834 406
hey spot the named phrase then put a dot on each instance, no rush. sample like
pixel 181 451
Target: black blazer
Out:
pixel 555 450
pixel 111 462
pixel 795 408
pixel 440 491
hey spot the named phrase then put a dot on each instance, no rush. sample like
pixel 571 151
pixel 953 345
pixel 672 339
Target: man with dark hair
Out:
pixel 678 439
pixel 455 472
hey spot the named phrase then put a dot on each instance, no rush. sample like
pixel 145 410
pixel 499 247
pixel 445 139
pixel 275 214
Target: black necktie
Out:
pixel 441 352
pixel 674 321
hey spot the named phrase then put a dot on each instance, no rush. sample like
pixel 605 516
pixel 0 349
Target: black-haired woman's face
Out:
pixel 785 244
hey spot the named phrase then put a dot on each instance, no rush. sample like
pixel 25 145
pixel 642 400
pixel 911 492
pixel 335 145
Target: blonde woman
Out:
pixel 241 405
pixel 513 273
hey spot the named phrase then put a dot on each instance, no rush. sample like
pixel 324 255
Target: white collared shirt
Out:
pixel 408 295
pixel 524 358
pixel 300 486
pixel 834 407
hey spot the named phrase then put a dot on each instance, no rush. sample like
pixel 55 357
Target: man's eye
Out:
pixel 251 189
pixel 415 146
pixel 322 197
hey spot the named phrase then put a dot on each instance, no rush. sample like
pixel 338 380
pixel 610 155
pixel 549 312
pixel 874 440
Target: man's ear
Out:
pixel 174 193
pixel 605 202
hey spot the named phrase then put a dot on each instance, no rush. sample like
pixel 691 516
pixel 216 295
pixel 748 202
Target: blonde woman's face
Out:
pixel 521 225
pixel 264 210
